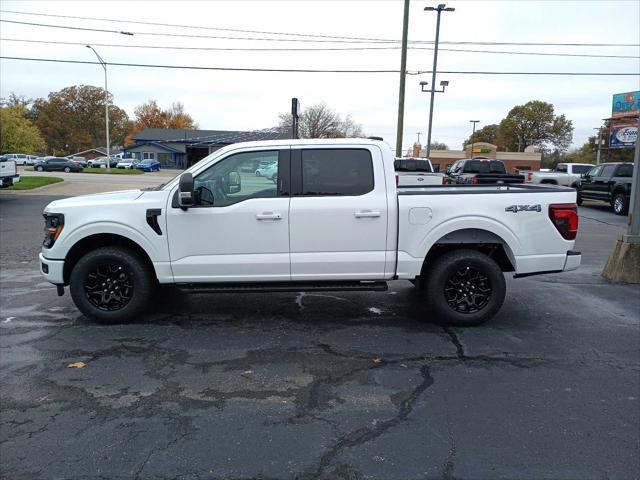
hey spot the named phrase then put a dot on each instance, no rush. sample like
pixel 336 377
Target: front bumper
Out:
pixel 52 270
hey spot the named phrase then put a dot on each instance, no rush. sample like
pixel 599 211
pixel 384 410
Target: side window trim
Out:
pixel 297 173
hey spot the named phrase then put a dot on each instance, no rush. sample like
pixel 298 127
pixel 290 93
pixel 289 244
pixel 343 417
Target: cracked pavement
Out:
pixel 347 386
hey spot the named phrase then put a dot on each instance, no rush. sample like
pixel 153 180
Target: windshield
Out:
pixel 483 166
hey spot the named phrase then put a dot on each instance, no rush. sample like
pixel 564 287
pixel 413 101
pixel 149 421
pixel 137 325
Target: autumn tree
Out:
pixel 17 132
pixel 535 123
pixel 320 121
pixel 150 115
pixel 435 145
pixel 72 119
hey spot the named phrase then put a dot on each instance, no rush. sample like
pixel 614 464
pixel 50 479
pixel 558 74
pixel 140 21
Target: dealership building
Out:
pixel 530 159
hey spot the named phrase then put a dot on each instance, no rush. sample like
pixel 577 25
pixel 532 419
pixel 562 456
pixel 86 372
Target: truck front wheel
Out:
pixel 465 288
pixel 111 285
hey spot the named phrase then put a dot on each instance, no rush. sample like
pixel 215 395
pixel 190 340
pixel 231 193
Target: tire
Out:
pixel 67 169
pixel 482 274
pixel 105 266
pixel 620 204
pixel 579 198
pixel 39 169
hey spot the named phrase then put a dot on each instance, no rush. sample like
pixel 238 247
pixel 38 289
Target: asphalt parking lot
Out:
pixel 345 386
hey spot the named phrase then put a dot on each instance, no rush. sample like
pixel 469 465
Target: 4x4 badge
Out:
pixel 523 208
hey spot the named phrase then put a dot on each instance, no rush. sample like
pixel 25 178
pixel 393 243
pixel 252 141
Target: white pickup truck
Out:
pixel 333 220
pixel 567 174
pixel 411 172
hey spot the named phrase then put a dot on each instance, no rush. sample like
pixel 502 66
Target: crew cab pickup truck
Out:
pixel 567 174
pixel 416 172
pixel 609 182
pixel 333 220
pixel 480 171
pixel 8 172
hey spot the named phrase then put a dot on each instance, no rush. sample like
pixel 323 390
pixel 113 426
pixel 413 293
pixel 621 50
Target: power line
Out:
pixel 164 34
pixel 308 70
pixel 309 49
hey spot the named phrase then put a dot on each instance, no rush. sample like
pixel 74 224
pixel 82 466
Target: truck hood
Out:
pixel 108 198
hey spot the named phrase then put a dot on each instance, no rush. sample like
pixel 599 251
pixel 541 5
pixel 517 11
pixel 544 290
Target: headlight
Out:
pixel 53 224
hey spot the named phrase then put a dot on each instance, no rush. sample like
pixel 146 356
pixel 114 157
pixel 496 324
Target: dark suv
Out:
pixel 610 182
pixel 57 164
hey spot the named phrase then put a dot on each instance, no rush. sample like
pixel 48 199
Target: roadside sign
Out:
pixel 623 136
pixel 625 104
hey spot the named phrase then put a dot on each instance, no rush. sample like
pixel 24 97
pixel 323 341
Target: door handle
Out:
pixel 268 216
pixel 367 214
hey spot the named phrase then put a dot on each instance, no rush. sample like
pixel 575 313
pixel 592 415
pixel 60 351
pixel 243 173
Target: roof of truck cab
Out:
pixel 311 141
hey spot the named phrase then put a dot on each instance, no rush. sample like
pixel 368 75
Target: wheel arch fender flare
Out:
pixel 472 230
pixel 96 235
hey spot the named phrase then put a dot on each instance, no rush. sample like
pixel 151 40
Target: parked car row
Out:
pixel 21 158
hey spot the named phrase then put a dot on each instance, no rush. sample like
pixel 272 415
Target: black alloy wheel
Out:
pixel 468 290
pixel 112 284
pixel 464 287
pixel 109 287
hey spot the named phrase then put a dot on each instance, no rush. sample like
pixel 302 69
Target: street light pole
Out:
pixel 440 8
pixel 473 136
pixel 106 105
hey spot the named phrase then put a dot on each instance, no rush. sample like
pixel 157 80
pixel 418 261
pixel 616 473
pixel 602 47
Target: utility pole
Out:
pixel 440 8
pixel 295 115
pixel 599 145
pixel 473 136
pixel 106 106
pixel 403 75
pixel 634 205
pixel 623 264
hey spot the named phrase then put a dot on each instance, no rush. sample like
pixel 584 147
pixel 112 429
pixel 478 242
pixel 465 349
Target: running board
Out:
pixel 352 286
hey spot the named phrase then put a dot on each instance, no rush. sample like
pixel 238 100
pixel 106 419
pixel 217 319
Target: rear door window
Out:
pixel 336 172
pixel 607 171
pixel 625 170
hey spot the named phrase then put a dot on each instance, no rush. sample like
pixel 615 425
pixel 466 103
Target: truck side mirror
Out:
pixel 235 184
pixel 185 191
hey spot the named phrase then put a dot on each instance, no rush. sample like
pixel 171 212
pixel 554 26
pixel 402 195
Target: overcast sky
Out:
pixel 252 100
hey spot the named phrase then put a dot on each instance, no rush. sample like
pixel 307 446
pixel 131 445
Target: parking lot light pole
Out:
pixel 432 91
pixel 473 135
pixel 106 105
pixel 440 8
pixel 599 145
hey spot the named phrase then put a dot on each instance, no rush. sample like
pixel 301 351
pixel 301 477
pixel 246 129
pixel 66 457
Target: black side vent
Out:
pixel 152 219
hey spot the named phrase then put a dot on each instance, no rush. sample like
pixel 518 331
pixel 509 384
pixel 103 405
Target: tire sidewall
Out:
pixel 143 284
pixel 446 266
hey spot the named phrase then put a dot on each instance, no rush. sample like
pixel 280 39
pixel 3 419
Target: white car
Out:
pixel 566 174
pixel 19 158
pixel 266 170
pixel 335 220
pixel 128 163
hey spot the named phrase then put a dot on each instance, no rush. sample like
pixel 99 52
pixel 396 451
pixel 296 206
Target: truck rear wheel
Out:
pixel 465 288
pixel 111 285
pixel 620 204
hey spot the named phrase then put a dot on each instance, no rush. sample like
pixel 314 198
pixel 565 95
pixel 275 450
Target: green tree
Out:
pixel 320 121
pixel 535 123
pixel 72 119
pixel 435 145
pixel 487 134
pixel 17 133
